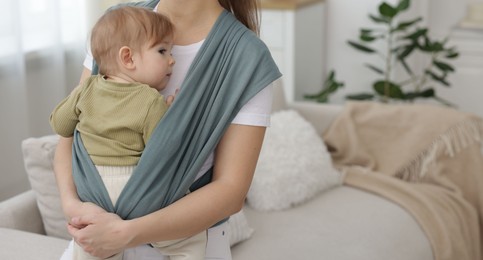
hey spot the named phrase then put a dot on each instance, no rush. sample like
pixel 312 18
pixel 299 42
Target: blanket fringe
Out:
pixel 449 143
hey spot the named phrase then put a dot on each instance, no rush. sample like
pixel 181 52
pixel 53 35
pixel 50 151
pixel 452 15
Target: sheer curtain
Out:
pixel 42 47
pixel 41 51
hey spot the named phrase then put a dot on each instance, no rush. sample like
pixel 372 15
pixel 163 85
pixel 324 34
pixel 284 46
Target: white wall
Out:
pixel 346 17
pixel 467 89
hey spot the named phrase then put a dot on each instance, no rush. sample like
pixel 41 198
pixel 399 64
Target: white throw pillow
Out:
pixel 38 158
pixel 38 155
pixel 294 164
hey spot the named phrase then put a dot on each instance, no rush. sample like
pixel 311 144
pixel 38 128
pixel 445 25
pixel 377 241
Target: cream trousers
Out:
pixel 191 248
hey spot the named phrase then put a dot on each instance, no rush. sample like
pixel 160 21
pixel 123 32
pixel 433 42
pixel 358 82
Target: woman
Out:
pixel 103 234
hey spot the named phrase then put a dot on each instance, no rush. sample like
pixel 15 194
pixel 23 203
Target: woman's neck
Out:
pixel 193 19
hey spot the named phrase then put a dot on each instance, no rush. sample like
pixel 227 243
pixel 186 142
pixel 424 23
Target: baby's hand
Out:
pixel 170 98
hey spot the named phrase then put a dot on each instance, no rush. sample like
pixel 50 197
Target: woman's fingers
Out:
pixel 82 221
pixel 100 234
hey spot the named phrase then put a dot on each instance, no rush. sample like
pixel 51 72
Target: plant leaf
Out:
pixel 404 25
pixel 403 5
pixel 436 47
pixel 387 11
pixel 445 67
pixel 377 19
pixel 427 93
pixel 394 89
pixel 440 79
pixel 406 66
pixel 418 33
pixel 367 38
pixel 374 68
pixel 333 86
pixel 330 86
pixel 361 47
pixel 406 51
pixel 452 55
pixel 330 77
pixel 361 96
pixel 426 46
pixel 321 98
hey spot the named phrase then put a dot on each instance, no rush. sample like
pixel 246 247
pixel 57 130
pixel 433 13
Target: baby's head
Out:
pixel 135 27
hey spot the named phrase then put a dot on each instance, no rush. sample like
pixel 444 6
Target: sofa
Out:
pixel 337 222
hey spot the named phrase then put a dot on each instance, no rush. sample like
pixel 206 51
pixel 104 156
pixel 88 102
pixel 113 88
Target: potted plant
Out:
pixel 401 40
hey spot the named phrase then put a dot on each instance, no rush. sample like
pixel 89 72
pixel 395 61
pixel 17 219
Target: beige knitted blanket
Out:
pixel 426 158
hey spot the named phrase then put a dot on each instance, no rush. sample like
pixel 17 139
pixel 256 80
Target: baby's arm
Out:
pixel 156 112
pixel 65 116
pixel 71 205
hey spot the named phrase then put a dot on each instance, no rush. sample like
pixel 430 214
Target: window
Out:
pixel 31 25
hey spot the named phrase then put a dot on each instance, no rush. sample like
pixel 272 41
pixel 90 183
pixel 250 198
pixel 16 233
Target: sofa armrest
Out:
pixel 319 115
pixel 21 212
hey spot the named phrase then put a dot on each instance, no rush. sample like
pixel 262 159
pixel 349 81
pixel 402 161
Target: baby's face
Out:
pixel 156 65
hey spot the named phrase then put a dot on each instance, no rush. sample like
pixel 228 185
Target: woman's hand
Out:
pixel 101 235
pixel 78 208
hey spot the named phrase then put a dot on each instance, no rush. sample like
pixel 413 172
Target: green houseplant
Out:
pixel 331 85
pixel 400 40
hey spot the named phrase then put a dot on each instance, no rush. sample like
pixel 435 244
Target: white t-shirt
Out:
pixel 255 113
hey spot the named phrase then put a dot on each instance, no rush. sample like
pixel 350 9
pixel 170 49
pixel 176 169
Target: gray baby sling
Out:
pixel 231 67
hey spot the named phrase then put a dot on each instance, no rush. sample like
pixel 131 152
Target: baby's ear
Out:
pixel 126 57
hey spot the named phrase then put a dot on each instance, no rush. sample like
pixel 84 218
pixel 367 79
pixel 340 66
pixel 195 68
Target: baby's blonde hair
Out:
pixel 135 27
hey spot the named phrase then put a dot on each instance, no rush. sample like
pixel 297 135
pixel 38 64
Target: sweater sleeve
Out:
pixel 154 115
pixel 65 116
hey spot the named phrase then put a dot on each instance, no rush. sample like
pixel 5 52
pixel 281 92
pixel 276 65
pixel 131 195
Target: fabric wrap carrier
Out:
pixel 232 66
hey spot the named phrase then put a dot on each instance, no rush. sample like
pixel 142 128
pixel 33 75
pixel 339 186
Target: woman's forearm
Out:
pixel 71 204
pixel 235 162
pixel 188 216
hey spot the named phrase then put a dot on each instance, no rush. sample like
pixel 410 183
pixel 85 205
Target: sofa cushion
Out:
pixel 294 164
pixel 38 159
pixel 38 155
pixel 22 213
pixel 21 245
pixel 343 223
